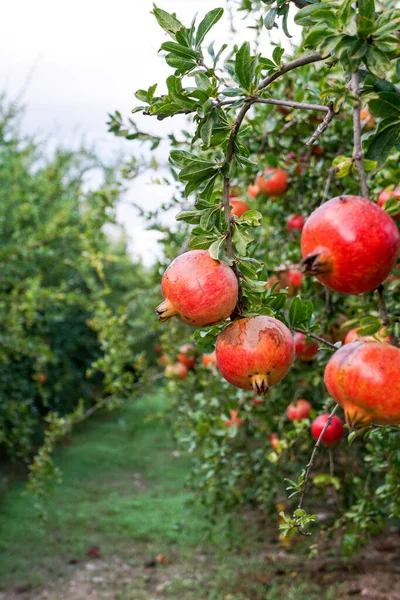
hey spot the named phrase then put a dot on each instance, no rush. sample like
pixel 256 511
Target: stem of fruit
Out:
pixel 383 313
pixel 358 154
pixel 313 455
pixel 315 337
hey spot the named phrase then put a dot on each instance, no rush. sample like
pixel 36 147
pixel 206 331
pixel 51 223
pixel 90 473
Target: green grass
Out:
pixel 123 490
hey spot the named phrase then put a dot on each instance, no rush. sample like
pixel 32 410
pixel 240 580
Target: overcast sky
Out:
pixel 76 61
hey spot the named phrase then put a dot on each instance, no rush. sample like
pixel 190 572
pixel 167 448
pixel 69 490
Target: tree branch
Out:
pixel 322 126
pixel 358 153
pixel 315 337
pixel 294 64
pixel 304 105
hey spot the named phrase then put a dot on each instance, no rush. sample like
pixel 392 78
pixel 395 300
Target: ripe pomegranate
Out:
pixel 367 120
pixel 209 359
pixel 158 349
pixel 295 222
pixel 317 150
pixel 306 350
pixel 385 195
pixel 187 355
pixel 176 371
pixel 238 207
pixel 299 410
pixel 272 182
pixel 295 278
pixel 198 290
pixel 255 352
pixel 333 433
pixel 352 336
pixel 273 438
pixel 253 190
pixel 364 378
pixel 350 244
pixel 234 420
pixel 257 401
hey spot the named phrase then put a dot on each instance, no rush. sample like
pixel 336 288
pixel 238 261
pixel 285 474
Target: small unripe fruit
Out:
pixel 253 190
pixel 176 371
pixel 255 353
pixel 306 349
pixel 234 420
pixel 295 222
pixel 299 410
pixel 334 432
pixel 353 336
pixel 239 207
pixel 295 277
pixel 187 355
pixel 364 378
pixel 209 359
pixel 385 195
pixel 350 244
pixel 197 289
pixel 273 182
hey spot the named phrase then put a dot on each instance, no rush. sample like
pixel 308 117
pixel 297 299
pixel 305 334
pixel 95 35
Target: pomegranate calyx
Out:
pixel 317 262
pixel 259 381
pixel 357 420
pixel 165 311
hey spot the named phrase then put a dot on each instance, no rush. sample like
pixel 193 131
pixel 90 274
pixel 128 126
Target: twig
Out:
pixel 358 154
pixel 313 455
pixel 383 313
pixel 322 126
pixel 290 103
pixel 294 64
pixel 315 337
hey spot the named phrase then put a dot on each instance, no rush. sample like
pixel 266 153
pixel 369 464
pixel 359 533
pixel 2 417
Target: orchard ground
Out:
pixel 122 526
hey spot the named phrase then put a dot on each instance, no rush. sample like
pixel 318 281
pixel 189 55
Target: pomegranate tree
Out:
pixel 198 290
pixel 255 353
pixel 350 244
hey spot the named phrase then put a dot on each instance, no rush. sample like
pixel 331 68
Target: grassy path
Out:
pixel 121 505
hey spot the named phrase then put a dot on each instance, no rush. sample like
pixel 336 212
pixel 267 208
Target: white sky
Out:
pixel 77 60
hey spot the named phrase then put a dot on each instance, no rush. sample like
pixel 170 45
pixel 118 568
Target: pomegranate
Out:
pixel 367 120
pixel 176 371
pixel 295 222
pixel 350 244
pixel 257 402
pixel 299 410
pixel 163 360
pixel 317 150
pixel 385 195
pixel 272 182
pixel 353 336
pixel 158 349
pixel 364 378
pixel 234 420
pixel 209 359
pixel 333 433
pixel 273 438
pixel 238 207
pixel 198 290
pixel 253 190
pixel 306 349
pixel 187 355
pixel 255 352
pixel 42 378
pixel 295 278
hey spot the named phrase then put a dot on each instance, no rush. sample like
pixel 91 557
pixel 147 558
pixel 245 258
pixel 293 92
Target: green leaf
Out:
pixel 241 239
pixel 300 313
pixel 201 242
pixel 369 326
pixel 180 63
pixel 270 17
pixel 169 23
pixel 206 130
pixel 251 217
pixel 277 55
pixel 387 105
pixel 190 216
pixel 370 165
pixel 243 66
pixel 381 144
pixel 209 217
pixel 392 206
pixel 366 17
pixel 309 14
pixel 217 249
pixel 179 50
pixel 342 165
pixel 207 23
pixel 326 480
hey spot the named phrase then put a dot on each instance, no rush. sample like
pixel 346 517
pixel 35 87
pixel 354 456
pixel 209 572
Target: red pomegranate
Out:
pixel 239 207
pixel 158 349
pixel 385 195
pixel 255 352
pixel 198 290
pixel 163 360
pixel 367 120
pixel 350 244
pixel 295 277
pixel 187 355
pixel 176 371
pixel 273 438
pixel 333 433
pixel 353 336
pixel 299 410
pixel 209 359
pixel 295 222
pixel 257 402
pixel 272 182
pixel 234 420
pixel 253 190
pixel 306 349
pixel 364 378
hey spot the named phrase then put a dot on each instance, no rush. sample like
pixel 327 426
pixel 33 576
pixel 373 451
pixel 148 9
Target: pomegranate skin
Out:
pixel 272 182
pixel 197 289
pixel 333 433
pixel 385 195
pixel 350 244
pixel 364 378
pixel 255 353
pixel 239 207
